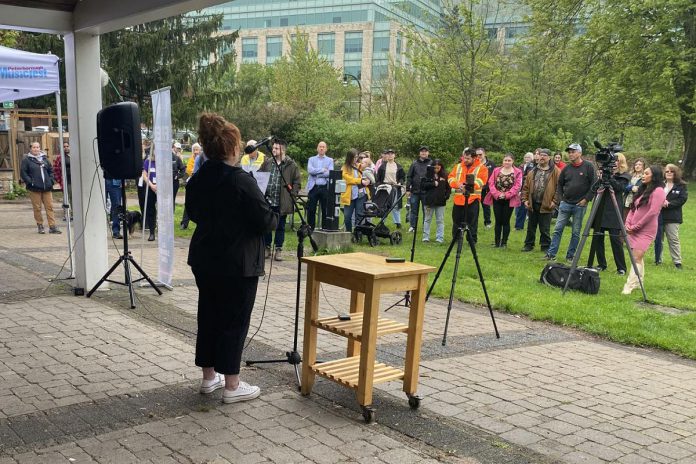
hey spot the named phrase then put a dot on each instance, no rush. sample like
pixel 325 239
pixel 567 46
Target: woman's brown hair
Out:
pixel 677 173
pixel 218 137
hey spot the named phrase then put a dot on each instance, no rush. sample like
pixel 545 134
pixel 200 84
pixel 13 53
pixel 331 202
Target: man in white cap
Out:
pixel 254 160
pixel 572 195
pixel 178 170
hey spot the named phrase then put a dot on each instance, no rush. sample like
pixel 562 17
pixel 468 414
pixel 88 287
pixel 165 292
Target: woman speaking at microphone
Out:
pixel 226 256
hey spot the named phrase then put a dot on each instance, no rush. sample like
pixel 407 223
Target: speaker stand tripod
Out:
pixel 458 239
pixel 604 187
pixel 406 299
pixel 126 259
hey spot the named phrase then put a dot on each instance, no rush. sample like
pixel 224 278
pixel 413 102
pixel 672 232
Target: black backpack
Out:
pixel 585 279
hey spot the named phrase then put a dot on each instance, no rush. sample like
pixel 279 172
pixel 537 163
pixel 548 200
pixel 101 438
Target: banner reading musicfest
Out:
pixel 162 125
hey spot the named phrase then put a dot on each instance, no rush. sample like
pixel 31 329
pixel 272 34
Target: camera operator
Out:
pixel 470 165
pixel 607 218
pixel 436 190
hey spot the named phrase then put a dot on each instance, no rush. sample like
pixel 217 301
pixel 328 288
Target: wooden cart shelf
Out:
pixel 346 371
pixel 353 328
pixel 367 277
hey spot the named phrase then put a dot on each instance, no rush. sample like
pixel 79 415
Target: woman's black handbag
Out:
pixel 585 279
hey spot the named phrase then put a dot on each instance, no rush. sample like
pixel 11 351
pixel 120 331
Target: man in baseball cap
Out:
pixel 574 147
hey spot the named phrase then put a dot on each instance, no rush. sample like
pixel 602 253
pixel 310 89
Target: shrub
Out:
pixel 17 191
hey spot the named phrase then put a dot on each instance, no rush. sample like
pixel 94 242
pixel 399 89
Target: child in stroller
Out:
pixel 385 199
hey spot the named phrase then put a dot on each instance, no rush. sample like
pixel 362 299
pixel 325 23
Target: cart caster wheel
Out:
pixel 396 237
pixel 414 401
pixel 374 241
pixel 368 414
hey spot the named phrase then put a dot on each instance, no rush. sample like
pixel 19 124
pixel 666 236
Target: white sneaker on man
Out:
pixel 209 386
pixel 244 392
pixel 410 229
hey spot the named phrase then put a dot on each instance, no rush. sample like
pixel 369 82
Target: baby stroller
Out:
pixel 385 200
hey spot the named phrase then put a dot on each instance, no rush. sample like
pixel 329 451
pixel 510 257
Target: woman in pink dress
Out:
pixel 641 222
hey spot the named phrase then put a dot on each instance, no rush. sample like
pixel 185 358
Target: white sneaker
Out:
pixel 410 229
pixel 244 392
pixel 209 386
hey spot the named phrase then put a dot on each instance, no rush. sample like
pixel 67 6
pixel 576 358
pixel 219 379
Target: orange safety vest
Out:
pixel 457 178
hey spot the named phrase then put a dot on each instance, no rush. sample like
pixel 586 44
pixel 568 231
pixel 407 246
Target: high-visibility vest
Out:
pixel 460 178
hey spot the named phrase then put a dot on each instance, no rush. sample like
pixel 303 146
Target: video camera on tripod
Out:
pixel 606 156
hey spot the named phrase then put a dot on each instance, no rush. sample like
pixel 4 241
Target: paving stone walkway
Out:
pixel 88 380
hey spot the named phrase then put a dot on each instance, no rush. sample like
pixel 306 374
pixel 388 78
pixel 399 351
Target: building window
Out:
pixel 337 20
pixel 381 42
pixel 353 42
pixel 266 23
pixel 399 43
pixel 326 44
pixel 380 70
pixel 249 50
pixel 283 21
pixel 274 48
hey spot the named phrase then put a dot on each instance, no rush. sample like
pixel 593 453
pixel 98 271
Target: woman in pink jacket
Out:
pixel 504 194
pixel 641 222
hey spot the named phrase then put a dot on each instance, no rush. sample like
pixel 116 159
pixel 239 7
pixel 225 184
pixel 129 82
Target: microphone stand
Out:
pixel 304 231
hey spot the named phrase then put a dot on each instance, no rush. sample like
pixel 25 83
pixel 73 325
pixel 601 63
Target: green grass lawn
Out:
pixel 512 280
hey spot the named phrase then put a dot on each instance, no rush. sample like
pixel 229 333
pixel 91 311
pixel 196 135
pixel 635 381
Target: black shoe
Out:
pixel 621 272
pixel 657 263
pixel 41 228
pixel 528 248
pixel 601 268
pixel 548 257
pixel 54 230
pixel 398 226
pixel 117 236
pixel 183 226
pixel 151 238
pixel 678 266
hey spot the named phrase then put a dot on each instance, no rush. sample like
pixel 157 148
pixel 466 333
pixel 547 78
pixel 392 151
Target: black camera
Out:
pixel 606 156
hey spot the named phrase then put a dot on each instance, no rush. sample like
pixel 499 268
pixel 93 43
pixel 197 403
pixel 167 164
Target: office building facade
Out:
pixel 360 37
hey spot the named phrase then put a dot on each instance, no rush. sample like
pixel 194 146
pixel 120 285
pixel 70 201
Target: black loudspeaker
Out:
pixel 119 141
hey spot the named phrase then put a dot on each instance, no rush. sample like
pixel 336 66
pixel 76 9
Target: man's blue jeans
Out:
pixel 565 212
pixel 113 193
pixel 416 201
pixel 279 232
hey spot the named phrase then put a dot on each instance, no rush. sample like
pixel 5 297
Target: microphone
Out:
pixel 252 148
pixel 597 144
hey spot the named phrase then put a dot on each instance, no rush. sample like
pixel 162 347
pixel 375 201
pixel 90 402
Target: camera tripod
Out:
pixel 406 299
pixel 604 186
pixel 304 231
pixel 125 258
pixel 458 238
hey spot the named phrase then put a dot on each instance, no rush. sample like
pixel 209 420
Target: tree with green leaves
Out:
pixel 464 65
pixel 628 63
pixel 306 81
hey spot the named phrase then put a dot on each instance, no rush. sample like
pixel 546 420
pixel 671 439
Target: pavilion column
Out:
pixel 83 89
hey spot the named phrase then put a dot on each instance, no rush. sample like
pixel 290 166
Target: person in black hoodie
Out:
pixel 607 220
pixel 37 174
pixel 226 256
pixel 671 215
pixel 437 191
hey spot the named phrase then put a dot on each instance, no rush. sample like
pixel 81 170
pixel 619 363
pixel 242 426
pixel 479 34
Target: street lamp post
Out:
pixel 345 83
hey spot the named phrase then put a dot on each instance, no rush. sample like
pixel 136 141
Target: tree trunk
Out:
pixel 689 160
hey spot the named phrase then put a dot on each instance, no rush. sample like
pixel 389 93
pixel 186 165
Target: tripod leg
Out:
pixel 460 239
pixel 483 282
pixel 140 270
pixel 442 266
pixel 129 282
pixel 106 276
pixel 585 233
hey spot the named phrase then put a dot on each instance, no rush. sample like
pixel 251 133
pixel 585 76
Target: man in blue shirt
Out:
pixel 318 168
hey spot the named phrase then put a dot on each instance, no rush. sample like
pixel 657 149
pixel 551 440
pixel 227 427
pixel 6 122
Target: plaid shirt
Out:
pixel 275 183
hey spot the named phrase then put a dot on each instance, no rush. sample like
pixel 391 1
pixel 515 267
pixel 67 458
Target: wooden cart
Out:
pixel 367 277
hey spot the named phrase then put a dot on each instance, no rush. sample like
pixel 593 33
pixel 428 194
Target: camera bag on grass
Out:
pixel 585 279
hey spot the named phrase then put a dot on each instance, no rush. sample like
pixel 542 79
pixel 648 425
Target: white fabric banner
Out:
pixel 26 75
pixel 162 124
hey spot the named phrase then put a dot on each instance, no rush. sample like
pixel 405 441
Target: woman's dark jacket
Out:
pixel 31 173
pixel 436 196
pixel 672 213
pixel 231 216
pixel 400 178
pixel 606 214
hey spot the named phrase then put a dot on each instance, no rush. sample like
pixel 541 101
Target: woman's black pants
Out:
pixel 224 312
pixel 502 211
